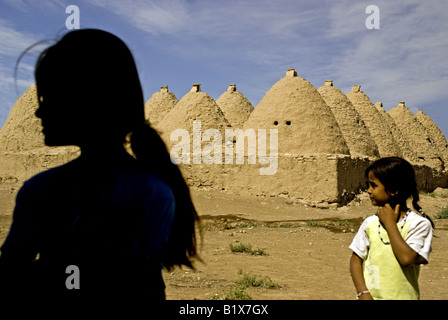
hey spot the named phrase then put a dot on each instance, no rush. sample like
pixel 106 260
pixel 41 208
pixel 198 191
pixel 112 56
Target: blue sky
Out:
pixel 251 43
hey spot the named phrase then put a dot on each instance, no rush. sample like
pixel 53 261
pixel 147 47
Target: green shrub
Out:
pixel 238 290
pixel 443 214
pixel 246 248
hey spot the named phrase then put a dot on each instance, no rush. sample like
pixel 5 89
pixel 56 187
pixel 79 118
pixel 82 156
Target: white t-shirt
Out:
pixel 419 236
pixel 384 277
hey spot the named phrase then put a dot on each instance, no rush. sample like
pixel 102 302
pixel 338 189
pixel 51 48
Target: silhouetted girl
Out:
pixel 118 218
pixel 394 242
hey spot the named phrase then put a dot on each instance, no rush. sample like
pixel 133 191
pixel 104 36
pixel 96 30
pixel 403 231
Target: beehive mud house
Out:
pixel 318 141
pixel 159 104
pixel 235 106
pixel 355 132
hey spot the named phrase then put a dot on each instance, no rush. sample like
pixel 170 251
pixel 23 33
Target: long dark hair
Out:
pixel 99 71
pixel 146 143
pixel 398 176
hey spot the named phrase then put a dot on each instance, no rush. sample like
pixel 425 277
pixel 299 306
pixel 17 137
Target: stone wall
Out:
pixel 312 179
pixel 20 166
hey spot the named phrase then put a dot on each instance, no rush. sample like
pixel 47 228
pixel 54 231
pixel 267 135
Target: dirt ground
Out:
pixel 305 249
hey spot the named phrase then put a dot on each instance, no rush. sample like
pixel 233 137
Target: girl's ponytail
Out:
pixel 152 155
pixel 415 199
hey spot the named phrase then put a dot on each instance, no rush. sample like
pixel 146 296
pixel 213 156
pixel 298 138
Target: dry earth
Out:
pixel 306 248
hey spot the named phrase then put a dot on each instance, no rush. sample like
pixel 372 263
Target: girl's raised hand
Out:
pixel 388 215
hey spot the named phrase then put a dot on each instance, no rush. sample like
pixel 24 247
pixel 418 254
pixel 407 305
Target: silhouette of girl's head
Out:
pixel 88 89
pixel 90 95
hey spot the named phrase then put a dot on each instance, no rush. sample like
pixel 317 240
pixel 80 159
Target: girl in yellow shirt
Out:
pixel 391 245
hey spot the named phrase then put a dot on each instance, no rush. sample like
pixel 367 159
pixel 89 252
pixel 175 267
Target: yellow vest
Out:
pixel 385 278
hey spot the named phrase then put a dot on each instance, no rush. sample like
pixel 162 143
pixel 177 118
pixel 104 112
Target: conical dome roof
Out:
pixel 355 132
pixel 381 133
pixel 406 149
pixel 22 130
pixel 417 135
pixel 235 106
pixel 305 123
pixel 159 105
pixel 194 106
pixel 435 134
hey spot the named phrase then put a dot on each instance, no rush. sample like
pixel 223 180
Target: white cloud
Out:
pixel 405 59
pixel 155 17
pixel 30 6
pixel 264 33
pixel 13 41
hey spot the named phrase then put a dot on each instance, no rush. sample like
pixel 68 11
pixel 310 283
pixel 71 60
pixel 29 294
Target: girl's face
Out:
pixel 58 116
pixel 377 191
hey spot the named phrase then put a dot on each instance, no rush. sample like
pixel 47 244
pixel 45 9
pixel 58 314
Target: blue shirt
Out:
pixel 122 210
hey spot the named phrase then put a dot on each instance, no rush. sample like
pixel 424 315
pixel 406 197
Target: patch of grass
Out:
pixel 250 224
pixel 256 280
pixel 443 214
pixel 346 223
pixel 246 248
pixel 433 195
pixel 286 225
pixel 238 290
pixel 312 223
pixel 235 292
